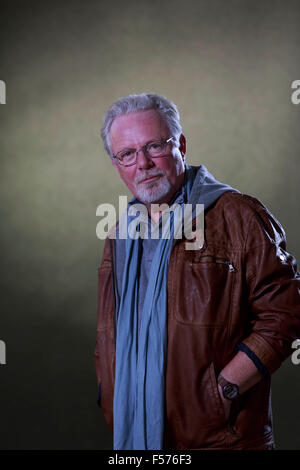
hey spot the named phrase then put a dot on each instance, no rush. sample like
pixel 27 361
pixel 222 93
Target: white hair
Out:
pixel 142 102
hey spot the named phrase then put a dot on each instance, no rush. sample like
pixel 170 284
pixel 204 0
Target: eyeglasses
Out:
pixel 153 149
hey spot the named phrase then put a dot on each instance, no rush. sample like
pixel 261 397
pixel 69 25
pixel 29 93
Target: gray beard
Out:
pixel 154 191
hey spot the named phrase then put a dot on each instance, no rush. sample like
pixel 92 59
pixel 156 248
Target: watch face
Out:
pixel 230 391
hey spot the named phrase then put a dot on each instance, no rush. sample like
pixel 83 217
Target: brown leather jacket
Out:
pixel 240 288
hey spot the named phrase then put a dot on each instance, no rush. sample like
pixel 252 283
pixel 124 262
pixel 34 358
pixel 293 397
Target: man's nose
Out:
pixel 143 161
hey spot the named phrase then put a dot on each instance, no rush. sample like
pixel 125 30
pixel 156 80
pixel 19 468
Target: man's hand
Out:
pixel 241 371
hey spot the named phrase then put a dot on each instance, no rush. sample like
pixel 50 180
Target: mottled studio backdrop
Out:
pixel 229 66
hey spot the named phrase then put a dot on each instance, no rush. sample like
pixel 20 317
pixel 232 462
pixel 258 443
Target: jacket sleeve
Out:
pixel 273 292
pixel 97 368
pixel 97 365
pixel 104 259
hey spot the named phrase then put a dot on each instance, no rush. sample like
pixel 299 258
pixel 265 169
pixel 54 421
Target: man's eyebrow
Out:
pixel 149 142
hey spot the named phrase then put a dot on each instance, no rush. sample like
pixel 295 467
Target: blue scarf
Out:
pixel 139 406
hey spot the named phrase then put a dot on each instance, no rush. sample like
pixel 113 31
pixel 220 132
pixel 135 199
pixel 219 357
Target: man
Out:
pixel 187 339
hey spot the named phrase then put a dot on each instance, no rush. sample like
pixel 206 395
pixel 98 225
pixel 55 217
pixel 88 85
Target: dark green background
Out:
pixel 229 66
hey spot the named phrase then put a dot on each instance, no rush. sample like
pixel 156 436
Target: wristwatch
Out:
pixel 229 390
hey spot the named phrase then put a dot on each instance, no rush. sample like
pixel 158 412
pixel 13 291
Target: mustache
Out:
pixel 147 175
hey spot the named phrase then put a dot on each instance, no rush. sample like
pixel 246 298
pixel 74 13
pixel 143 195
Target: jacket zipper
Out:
pixel 220 260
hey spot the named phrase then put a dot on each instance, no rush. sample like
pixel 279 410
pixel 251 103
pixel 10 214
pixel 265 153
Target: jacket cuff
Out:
pixel 259 365
pixel 263 352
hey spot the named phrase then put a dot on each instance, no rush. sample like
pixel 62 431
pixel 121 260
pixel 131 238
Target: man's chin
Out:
pixel 153 192
pixel 148 196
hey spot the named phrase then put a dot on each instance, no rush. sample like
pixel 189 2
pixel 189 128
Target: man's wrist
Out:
pixel 230 390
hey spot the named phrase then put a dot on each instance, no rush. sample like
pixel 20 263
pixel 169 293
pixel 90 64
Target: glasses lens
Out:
pixel 155 149
pixel 126 157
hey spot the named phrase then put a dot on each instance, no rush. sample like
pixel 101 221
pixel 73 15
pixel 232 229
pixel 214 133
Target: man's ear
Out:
pixel 182 146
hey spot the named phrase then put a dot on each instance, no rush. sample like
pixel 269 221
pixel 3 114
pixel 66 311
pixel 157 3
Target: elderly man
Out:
pixel 187 340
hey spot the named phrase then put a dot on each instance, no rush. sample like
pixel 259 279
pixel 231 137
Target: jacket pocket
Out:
pixel 206 282
pixel 227 423
pixel 216 396
pixel 217 260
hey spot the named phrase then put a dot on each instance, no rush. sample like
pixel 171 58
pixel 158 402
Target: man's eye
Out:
pixel 127 154
pixel 155 146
